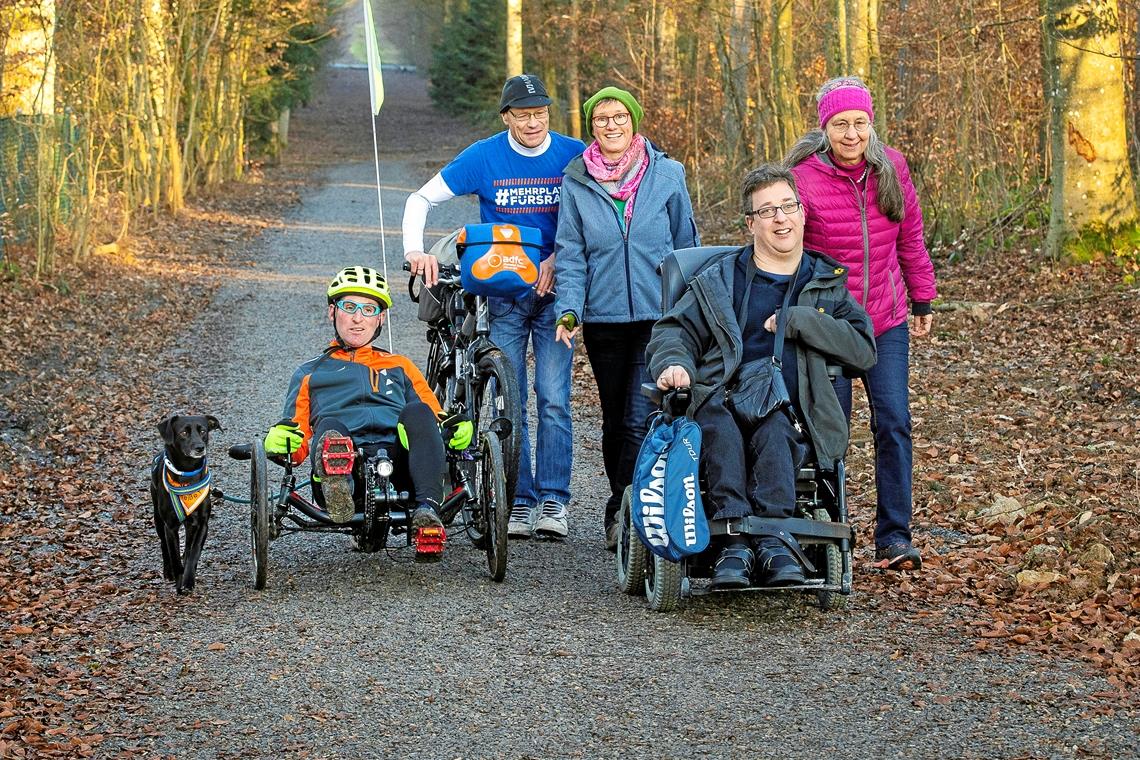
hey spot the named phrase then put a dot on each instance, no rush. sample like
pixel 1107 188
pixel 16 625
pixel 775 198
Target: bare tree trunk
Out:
pixel 859 38
pixel 842 33
pixel 573 83
pixel 514 38
pixel 788 116
pixel 1092 183
pixel 734 51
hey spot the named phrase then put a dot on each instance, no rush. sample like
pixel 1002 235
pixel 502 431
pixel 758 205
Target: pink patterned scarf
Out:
pixel 620 178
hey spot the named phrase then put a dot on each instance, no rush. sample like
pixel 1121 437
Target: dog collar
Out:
pixel 187 490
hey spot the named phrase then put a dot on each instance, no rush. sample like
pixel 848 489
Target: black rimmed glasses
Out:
pixel 619 120
pixel 769 212
pixel 365 309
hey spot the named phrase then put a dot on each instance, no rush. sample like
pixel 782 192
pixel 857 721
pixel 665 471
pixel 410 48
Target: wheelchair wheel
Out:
pixel 259 514
pixel 663 583
pixel 631 552
pixel 497 395
pixel 832 561
pixel 493 505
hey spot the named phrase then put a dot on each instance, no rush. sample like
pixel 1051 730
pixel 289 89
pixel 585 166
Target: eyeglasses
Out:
pixel 365 309
pixel 524 118
pixel 841 127
pixel 769 212
pixel 619 120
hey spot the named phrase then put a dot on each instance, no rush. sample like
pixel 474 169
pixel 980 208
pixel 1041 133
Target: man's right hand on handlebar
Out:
pixel 673 376
pixel 424 265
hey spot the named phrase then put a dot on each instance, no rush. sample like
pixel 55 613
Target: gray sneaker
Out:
pixel 521 522
pixel 552 522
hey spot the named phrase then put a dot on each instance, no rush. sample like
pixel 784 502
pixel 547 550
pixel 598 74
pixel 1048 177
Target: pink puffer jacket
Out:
pixel 887 261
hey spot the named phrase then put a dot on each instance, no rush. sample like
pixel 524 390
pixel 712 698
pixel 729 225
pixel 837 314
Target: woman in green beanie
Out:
pixel 624 206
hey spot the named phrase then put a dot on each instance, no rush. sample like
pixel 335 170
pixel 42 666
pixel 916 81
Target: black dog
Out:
pixel 180 492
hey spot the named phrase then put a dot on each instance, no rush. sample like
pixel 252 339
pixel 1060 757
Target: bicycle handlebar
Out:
pixel 448 277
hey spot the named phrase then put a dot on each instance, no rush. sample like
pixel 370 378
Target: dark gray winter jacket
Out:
pixel 826 325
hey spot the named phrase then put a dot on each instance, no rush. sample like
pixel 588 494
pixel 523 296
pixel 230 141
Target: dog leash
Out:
pixel 189 494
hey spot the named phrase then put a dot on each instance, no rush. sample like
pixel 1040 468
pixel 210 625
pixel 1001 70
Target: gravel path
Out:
pixel 358 656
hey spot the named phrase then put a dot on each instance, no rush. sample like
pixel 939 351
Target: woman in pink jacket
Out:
pixel 861 209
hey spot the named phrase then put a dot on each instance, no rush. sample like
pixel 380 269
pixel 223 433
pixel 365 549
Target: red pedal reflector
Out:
pixel 430 540
pixel 337 455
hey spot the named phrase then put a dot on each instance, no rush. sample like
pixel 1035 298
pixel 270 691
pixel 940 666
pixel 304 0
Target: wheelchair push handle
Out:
pixel 675 402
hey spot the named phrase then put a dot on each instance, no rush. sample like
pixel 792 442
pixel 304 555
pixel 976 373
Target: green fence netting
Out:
pixel 38 175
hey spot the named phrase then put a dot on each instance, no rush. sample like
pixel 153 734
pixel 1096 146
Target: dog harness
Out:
pixel 188 490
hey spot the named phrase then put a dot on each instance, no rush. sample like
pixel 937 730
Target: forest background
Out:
pixel 1018 117
pixel 1019 120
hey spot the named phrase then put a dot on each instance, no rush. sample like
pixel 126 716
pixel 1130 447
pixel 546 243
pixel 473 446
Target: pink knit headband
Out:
pixel 844 99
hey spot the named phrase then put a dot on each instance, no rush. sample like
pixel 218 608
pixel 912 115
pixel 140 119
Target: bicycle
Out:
pixel 469 373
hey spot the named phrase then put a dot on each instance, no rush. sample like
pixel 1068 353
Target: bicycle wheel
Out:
pixel 435 374
pixel 493 505
pixel 259 515
pixel 497 396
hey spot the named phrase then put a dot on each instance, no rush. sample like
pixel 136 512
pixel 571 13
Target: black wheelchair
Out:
pixel 819 522
pixel 478 495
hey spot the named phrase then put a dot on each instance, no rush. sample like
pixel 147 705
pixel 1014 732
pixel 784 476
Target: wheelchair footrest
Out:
pixel 429 541
pixel 337 455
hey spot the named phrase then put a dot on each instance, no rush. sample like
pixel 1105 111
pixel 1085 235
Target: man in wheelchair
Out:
pixel 358 398
pixel 764 313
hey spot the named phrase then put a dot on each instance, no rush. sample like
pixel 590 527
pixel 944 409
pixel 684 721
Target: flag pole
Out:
pixel 376 99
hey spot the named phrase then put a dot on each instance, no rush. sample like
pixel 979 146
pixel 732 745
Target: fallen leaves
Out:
pixel 76 413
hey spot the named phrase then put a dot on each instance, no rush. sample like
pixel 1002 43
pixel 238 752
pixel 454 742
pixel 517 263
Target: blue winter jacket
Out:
pixel 604 273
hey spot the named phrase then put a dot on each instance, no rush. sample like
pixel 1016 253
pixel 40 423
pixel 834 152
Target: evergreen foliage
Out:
pixel 467 65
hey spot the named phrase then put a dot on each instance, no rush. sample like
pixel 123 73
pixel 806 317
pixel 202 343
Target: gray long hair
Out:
pixel 890 189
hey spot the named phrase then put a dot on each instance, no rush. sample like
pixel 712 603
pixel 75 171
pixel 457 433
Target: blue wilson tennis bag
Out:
pixel 498 259
pixel 666 506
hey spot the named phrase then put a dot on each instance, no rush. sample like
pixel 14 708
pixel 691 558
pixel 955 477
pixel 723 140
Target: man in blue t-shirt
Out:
pixel 517 176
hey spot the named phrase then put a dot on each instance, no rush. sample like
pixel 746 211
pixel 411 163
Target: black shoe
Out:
pixel 900 556
pixel 779 567
pixel 733 567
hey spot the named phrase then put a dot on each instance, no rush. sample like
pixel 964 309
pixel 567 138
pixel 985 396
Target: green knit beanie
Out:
pixel 614 93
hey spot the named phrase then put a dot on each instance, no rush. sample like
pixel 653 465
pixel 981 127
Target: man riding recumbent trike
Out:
pixel 753 337
pixel 369 426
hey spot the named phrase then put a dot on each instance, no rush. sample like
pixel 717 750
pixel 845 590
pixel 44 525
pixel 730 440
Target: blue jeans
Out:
pixel 513 324
pixel 889 399
pixel 617 357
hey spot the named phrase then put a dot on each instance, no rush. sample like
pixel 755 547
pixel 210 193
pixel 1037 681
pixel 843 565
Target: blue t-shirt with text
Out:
pixel 513 188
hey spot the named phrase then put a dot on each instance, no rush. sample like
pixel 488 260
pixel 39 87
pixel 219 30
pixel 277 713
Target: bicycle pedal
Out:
pixel 337 455
pixel 429 542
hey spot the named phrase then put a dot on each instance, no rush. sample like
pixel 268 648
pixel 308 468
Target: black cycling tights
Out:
pixel 419 468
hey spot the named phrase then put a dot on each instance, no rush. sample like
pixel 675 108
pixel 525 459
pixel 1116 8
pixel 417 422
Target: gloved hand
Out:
pixel 284 438
pixel 457 430
pixel 567 320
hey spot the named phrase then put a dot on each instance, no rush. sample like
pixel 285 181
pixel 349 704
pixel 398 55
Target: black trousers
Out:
pixel 418 469
pixel 748 471
pixel 617 357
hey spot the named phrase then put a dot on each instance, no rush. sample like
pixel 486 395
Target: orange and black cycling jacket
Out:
pixel 366 389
